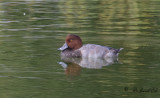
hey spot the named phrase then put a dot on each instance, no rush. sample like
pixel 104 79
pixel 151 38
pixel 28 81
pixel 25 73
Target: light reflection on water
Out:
pixel 29 56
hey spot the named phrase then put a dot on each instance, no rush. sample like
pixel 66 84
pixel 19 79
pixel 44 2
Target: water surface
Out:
pixel 31 32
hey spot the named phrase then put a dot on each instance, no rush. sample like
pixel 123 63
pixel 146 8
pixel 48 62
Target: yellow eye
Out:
pixel 71 40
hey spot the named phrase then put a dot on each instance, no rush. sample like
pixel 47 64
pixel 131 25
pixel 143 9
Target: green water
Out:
pixel 32 30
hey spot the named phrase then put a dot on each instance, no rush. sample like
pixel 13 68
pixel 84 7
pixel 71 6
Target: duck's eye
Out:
pixel 71 40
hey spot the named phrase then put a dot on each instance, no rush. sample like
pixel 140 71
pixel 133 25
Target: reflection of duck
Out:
pixel 73 47
pixel 73 69
pixel 91 63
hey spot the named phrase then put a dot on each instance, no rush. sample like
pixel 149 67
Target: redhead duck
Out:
pixel 73 47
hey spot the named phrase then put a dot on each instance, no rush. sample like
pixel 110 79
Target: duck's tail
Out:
pixel 118 50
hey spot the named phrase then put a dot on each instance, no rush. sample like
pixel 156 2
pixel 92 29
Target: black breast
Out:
pixel 71 53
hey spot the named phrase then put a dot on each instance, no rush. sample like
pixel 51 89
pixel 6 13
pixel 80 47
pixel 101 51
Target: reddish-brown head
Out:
pixel 73 41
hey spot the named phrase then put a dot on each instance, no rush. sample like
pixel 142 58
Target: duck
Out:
pixel 73 47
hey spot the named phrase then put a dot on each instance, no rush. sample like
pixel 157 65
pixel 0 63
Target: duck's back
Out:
pixel 92 50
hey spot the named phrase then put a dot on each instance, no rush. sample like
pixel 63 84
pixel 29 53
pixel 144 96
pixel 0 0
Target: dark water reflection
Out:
pixel 31 31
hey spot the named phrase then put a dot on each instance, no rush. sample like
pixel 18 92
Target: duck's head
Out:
pixel 72 42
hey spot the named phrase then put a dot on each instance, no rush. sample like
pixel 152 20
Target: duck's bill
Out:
pixel 65 46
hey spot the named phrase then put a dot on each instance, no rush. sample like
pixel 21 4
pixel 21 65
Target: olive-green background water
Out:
pixel 32 30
